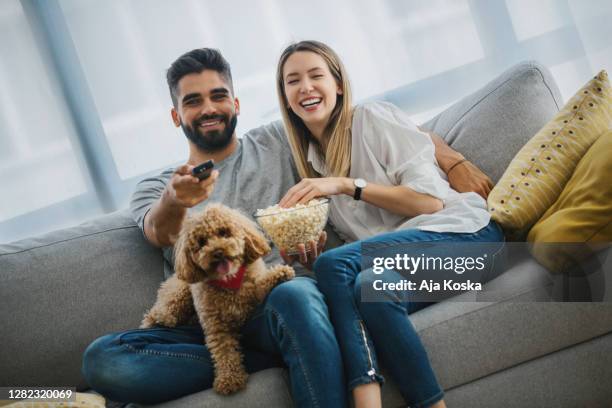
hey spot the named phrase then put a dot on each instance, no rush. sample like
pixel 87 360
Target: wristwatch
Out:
pixel 359 184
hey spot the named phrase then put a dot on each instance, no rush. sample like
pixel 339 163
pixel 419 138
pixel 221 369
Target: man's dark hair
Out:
pixel 194 62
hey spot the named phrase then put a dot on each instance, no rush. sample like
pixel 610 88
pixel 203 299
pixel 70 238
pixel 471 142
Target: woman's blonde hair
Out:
pixel 338 130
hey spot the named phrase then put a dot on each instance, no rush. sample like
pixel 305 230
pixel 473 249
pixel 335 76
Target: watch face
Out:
pixel 361 183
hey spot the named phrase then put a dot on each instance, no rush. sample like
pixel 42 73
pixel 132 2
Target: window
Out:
pixel 39 164
pixel 85 110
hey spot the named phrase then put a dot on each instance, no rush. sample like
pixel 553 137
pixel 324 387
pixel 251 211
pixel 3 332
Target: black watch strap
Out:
pixel 357 194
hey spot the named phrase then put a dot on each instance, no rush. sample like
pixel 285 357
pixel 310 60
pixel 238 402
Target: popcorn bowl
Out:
pixel 288 227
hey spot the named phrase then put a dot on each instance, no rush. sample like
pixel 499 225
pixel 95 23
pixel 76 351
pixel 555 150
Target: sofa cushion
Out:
pixel 578 376
pixel 468 340
pixel 267 388
pixel 583 212
pixel 61 290
pixel 537 174
pixel 490 126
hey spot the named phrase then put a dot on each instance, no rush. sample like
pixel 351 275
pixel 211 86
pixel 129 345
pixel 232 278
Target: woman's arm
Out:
pixel 400 200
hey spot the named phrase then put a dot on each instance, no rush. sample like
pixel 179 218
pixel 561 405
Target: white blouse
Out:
pixel 388 149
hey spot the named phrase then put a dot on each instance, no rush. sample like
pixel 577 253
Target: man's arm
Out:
pixel 463 176
pixel 163 221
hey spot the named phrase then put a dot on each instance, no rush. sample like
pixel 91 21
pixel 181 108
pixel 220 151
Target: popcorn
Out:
pixel 288 227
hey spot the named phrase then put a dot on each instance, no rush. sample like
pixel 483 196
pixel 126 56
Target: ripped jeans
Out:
pixel 367 331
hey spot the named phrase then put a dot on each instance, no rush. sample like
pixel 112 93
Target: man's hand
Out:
pixel 462 175
pixel 465 177
pixel 163 222
pixel 185 190
pixel 307 259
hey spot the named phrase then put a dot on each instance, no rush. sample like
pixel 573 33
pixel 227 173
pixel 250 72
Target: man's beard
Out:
pixel 212 141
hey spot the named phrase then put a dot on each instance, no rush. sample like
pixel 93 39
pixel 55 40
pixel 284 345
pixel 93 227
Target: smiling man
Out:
pixel 160 364
pixel 292 327
pixel 210 129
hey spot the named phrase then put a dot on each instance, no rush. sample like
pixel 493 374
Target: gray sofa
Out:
pixel 60 291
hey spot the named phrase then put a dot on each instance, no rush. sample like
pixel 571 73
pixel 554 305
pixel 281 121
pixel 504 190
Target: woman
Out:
pixel 385 189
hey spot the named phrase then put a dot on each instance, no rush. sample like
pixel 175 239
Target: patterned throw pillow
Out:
pixel 538 173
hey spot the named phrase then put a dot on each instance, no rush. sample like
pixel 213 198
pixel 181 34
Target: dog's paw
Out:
pixel 285 273
pixel 229 384
pixel 147 322
pixel 154 318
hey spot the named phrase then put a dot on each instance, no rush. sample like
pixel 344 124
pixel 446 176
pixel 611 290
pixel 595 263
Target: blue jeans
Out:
pixel 368 330
pixel 149 366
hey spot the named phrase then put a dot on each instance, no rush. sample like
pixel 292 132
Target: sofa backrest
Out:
pixel 491 125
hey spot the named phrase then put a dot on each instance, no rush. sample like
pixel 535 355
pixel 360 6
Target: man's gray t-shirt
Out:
pixel 256 175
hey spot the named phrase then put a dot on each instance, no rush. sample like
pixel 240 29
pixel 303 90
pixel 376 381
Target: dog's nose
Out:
pixel 218 254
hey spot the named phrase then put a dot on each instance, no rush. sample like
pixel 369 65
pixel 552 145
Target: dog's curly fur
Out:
pixel 206 239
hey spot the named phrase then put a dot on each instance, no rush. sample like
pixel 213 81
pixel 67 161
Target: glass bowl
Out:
pixel 288 227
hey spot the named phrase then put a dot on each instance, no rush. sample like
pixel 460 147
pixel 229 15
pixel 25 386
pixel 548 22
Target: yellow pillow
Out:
pixel 583 212
pixel 537 174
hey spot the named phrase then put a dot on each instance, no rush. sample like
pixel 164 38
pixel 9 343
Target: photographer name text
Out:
pixel 427 285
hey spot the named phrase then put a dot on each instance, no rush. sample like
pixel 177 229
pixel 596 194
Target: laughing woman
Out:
pixel 386 188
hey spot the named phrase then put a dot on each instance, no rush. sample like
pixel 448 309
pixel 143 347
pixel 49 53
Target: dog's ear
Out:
pixel 184 267
pixel 255 244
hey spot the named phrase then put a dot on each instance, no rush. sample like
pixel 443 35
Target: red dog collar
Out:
pixel 232 283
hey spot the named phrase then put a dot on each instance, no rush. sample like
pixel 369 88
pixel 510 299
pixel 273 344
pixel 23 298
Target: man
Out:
pixel 292 326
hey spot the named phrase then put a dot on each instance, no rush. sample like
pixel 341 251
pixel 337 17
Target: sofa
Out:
pixel 519 347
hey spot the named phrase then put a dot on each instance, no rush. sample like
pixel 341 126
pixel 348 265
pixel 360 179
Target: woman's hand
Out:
pixel 310 188
pixel 307 259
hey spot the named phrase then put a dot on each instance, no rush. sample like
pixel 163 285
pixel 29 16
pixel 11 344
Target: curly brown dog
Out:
pixel 219 271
